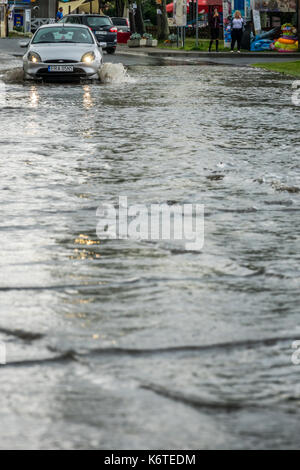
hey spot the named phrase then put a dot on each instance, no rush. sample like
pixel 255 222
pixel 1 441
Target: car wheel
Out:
pixel 111 50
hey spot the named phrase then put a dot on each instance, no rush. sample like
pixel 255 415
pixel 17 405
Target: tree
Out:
pixel 120 4
pixel 149 11
pixel 162 22
pixel 139 22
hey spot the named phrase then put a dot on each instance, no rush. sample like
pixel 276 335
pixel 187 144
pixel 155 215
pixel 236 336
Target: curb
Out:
pixel 193 54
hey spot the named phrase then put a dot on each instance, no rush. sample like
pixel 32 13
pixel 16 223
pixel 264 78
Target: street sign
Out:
pixel 180 12
pixel 18 21
pixel 256 21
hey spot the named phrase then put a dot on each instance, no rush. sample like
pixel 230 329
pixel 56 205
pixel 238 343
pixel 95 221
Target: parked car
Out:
pixel 62 51
pixel 121 23
pixel 123 27
pixel 102 27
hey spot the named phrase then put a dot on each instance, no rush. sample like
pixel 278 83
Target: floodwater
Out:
pixel 144 344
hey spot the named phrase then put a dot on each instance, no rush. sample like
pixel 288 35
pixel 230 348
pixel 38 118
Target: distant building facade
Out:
pixel 44 9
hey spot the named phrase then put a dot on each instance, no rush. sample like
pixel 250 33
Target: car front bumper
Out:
pixel 40 70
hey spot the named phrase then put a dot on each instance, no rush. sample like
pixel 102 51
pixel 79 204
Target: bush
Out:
pixel 172 37
pixel 135 36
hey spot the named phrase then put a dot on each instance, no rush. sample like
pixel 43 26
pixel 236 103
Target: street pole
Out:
pixel 3 13
pixel 297 20
pixel 197 26
pixel 6 20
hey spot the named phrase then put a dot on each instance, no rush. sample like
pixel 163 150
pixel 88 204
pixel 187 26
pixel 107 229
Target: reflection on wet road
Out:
pixel 132 344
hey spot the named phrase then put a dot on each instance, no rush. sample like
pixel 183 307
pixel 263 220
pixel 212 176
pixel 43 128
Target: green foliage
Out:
pixel 149 8
pixel 19 29
pixel 111 11
pixel 147 36
pixel 172 37
pixel 135 36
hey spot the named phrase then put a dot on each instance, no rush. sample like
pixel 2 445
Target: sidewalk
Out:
pixel 11 46
pixel 243 57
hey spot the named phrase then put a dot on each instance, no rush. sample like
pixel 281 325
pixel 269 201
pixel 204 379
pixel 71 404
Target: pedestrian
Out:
pixel 237 27
pixel 59 14
pixel 214 25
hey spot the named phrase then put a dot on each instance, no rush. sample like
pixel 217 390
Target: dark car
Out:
pixel 102 27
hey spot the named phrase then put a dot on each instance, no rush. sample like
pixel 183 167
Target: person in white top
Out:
pixel 237 26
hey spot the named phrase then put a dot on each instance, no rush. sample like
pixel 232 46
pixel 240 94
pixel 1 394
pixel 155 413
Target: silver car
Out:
pixel 60 51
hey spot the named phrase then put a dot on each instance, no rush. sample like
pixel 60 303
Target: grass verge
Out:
pixel 190 45
pixel 288 68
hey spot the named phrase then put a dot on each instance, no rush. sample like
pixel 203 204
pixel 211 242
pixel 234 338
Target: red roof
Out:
pixel 201 4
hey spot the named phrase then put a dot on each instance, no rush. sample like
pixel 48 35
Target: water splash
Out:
pixel 13 76
pixel 114 73
pixel 109 73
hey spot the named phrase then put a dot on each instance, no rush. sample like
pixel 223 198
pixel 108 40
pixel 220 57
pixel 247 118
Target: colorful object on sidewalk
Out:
pixel 288 42
pixel 264 41
pixel 261 45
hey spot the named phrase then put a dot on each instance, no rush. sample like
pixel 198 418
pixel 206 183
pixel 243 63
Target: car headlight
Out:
pixel 34 57
pixel 88 58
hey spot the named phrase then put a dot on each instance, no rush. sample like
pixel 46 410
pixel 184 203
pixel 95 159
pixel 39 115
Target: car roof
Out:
pixel 86 15
pixel 64 25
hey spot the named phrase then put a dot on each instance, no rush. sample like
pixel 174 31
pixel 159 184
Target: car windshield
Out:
pixel 62 35
pixel 95 21
pixel 119 21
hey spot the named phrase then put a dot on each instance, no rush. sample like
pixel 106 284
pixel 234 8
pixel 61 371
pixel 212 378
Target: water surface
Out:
pixel 136 344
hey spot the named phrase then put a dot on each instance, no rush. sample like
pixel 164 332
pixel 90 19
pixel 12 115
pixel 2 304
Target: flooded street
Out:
pixel 127 344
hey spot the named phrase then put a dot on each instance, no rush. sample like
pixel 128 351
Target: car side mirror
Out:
pixel 24 43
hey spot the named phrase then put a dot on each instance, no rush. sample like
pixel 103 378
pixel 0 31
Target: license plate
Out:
pixel 101 32
pixel 103 44
pixel 60 68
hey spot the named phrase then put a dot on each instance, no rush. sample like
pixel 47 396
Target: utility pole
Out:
pixel 6 20
pixel 297 21
pixel 197 24
pixel 3 18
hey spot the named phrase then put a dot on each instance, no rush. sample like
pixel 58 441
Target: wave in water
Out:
pixel 114 73
pixel 21 334
pixel 13 76
pixel 196 401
